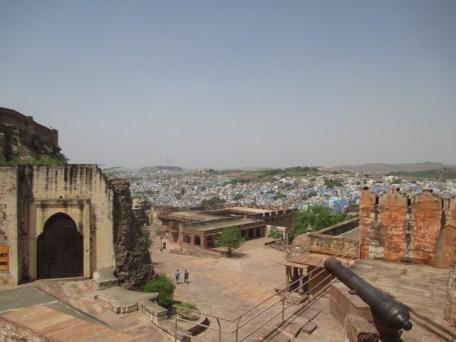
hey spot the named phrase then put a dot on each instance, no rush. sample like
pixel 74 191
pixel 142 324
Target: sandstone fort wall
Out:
pixel 417 228
pixel 30 195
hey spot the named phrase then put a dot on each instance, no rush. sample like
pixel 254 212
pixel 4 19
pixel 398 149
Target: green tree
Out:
pixel 331 183
pixel 164 286
pixel 238 196
pixel 279 195
pixel 317 217
pixel 230 238
pixel 214 200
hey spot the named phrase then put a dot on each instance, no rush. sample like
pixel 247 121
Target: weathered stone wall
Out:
pixel 450 305
pixel 426 209
pixel 30 195
pixel 83 193
pixel 281 218
pixel 133 261
pixel 400 227
pixel 370 239
pixel 333 245
pixel 8 221
pixel 393 224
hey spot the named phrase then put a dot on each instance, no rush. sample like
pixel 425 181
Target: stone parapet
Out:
pixel 418 228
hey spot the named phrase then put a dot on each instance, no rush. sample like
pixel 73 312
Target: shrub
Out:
pixel 187 305
pixel 184 310
pixel 145 236
pixel 275 234
pixel 164 286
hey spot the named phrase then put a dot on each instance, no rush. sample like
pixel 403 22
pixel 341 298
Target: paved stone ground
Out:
pixel 75 299
pixel 423 288
pixel 80 294
pixel 228 287
pixel 58 326
pixel 225 286
pixel 22 297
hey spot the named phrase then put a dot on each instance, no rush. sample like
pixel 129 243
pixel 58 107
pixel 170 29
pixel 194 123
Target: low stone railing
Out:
pixel 333 245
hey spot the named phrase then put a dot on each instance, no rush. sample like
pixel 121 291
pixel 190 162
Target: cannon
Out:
pixel 384 308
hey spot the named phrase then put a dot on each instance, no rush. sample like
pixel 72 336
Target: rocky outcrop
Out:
pixel 24 140
pixel 133 261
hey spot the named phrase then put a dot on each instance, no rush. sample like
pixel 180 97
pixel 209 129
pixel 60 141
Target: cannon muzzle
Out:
pixel 391 312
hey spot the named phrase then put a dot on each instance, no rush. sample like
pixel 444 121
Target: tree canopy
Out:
pixel 317 217
pixel 331 183
pixel 214 200
pixel 230 238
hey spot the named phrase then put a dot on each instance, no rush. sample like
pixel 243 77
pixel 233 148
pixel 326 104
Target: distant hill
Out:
pixel 392 168
pixel 153 169
pixel 441 174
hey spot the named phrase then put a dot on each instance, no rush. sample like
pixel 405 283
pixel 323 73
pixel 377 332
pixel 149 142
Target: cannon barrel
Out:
pixel 393 313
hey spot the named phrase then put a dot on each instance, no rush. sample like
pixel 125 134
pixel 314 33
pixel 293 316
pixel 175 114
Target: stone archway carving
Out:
pixel 60 248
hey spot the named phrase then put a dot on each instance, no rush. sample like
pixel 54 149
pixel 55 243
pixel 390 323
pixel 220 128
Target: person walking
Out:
pixel 177 275
pixel 186 274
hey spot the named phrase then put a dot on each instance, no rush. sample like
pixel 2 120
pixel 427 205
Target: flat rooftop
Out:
pixel 222 224
pixel 193 215
pixel 248 210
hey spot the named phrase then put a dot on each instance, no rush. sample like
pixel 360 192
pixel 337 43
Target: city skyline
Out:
pixel 230 84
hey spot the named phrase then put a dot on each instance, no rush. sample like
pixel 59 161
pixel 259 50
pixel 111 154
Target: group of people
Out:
pixel 186 275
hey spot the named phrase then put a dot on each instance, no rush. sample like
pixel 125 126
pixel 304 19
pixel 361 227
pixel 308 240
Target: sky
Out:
pixel 228 84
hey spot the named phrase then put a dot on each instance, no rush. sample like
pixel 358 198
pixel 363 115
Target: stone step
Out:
pixel 104 278
pixel 121 300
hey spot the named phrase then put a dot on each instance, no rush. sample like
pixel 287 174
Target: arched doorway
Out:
pixel 60 248
pixel 187 238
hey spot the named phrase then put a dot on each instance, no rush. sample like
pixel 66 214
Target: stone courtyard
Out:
pixel 227 288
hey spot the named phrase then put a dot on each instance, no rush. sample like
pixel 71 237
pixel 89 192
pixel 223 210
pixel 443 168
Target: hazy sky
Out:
pixel 235 83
